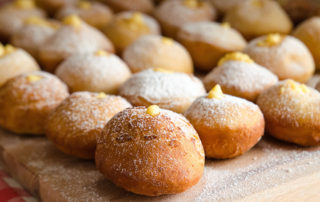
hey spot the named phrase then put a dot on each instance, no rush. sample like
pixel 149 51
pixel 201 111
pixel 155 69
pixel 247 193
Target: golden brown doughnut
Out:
pixel 33 34
pixel 26 101
pixel 165 53
pixel 175 13
pixel 75 123
pixel 52 6
pixel 150 151
pixel 209 41
pixel 308 32
pixel 285 56
pixel 93 13
pixel 96 72
pixel 239 76
pixel 126 27
pixel 14 61
pixel 74 36
pixel 144 6
pixel 292 112
pixel 228 126
pixel 170 90
pixel 258 17
pixel 13 14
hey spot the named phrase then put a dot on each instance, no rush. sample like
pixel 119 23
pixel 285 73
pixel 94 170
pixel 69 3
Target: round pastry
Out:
pixel 228 126
pixel 26 101
pixel 308 32
pixel 74 125
pixel 52 6
pixel 150 151
pixel 13 14
pixel 126 27
pixel 32 35
pixel 94 13
pixel 165 53
pixel 175 13
pixel 238 75
pixel 292 112
pixel 144 6
pixel 96 72
pixel 170 90
pixel 74 36
pixel 209 41
pixel 285 56
pixel 258 17
pixel 14 61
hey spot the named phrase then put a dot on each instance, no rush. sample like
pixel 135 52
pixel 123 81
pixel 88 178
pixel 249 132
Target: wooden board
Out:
pixel 272 170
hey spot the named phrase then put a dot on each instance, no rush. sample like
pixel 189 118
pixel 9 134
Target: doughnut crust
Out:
pixel 26 101
pixel 150 154
pixel 168 90
pixel 128 26
pixel 144 6
pixel 228 127
pixel 241 79
pixel 258 17
pixel 209 41
pixel 286 56
pixel 94 72
pixel 292 112
pixel 16 63
pixel 166 54
pixel 75 123
pixel 308 32
pixel 75 36
pixel 175 13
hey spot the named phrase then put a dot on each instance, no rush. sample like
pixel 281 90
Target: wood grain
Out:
pixel 271 171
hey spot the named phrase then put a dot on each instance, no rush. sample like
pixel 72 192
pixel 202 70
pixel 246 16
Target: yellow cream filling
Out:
pixel 101 95
pixel 215 93
pixel 236 56
pixel 24 4
pixel 193 3
pixel 271 40
pixel 153 110
pixel 72 20
pixel 33 78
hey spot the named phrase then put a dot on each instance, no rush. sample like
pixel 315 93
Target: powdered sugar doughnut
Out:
pixel 209 41
pixel 96 72
pixel 94 13
pixel 169 90
pixel 150 151
pixel 244 79
pixel 75 123
pixel 228 126
pixel 285 56
pixel 144 6
pixel 75 36
pixel 126 27
pixel 165 53
pixel 176 13
pixel 15 61
pixel 26 101
pixel 292 112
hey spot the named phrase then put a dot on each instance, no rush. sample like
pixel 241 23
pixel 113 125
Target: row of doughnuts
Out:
pixel 153 150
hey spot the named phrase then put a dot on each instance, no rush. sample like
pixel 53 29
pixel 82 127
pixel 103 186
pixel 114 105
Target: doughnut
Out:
pixel 127 26
pixel 26 101
pixel 144 6
pixel 13 14
pixel 228 126
pixel 150 151
pixel 74 36
pixel 175 13
pixel 285 56
pixel 292 112
pixel 308 33
pixel 239 76
pixel 14 61
pixel 96 72
pixel 94 13
pixel 258 17
pixel 75 123
pixel 53 6
pixel 209 41
pixel 33 34
pixel 166 54
pixel 169 90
